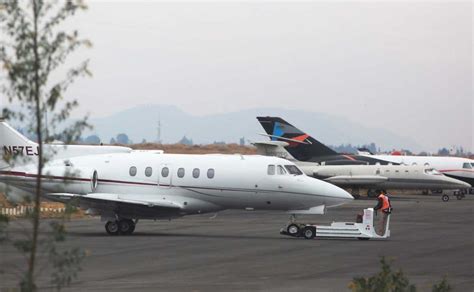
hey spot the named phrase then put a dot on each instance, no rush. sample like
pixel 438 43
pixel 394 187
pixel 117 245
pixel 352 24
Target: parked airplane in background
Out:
pixel 363 170
pixel 124 185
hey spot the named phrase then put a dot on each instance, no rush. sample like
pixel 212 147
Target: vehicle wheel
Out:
pixel 309 232
pixel 371 193
pixel 126 226
pixel 293 230
pixel 112 227
pixel 445 198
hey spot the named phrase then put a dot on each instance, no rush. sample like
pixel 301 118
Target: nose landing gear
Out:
pixel 120 227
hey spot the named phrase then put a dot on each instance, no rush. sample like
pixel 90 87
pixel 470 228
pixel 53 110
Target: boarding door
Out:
pixel 165 174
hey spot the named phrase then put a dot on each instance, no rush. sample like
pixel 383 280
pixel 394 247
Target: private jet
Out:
pixel 124 186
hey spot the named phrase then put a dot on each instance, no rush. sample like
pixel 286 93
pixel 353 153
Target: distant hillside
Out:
pixel 141 123
pixel 198 149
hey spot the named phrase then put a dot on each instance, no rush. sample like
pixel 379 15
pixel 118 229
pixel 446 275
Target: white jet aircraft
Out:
pixel 124 186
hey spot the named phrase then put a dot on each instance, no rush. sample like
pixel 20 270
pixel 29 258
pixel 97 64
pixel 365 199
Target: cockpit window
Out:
pixel 281 170
pixel 467 165
pixel 432 171
pixel 292 169
pixel 271 170
pixel 472 164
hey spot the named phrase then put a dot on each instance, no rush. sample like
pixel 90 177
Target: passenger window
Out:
pixel 414 163
pixel 467 165
pixel 133 171
pixel 281 170
pixel 181 172
pixel 427 164
pixel 210 173
pixel 196 172
pixel 271 170
pixel 293 169
pixel 165 171
pixel 148 171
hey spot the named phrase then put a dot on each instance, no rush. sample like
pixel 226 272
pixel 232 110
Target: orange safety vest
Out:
pixel 385 203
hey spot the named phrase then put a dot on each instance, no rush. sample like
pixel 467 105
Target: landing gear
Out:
pixel 372 193
pixel 356 193
pixel 445 198
pixel 120 227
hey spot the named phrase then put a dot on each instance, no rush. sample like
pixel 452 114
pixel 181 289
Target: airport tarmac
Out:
pixel 243 251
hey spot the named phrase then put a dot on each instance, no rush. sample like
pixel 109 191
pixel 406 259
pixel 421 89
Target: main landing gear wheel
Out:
pixel 112 227
pixel 293 229
pixel 372 193
pixel 123 227
pixel 445 198
pixel 126 226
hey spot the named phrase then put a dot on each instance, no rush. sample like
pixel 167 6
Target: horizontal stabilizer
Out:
pixel 273 148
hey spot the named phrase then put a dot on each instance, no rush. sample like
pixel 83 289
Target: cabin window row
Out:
pixel 165 171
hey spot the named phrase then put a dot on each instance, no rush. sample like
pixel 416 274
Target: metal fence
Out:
pixel 23 210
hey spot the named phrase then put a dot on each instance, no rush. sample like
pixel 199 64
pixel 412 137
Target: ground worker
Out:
pixel 385 207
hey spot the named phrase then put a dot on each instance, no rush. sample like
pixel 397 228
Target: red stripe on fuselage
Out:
pixel 349 157
pixel 24 174
pixel 452 170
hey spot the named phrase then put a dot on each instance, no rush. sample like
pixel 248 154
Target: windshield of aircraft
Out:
pixel 432 171
pixel 292 169
pixel 467 165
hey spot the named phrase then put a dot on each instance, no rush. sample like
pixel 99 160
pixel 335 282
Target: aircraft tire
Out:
pixel 371 193
pixel 112 227
pixel 126 226
pixel 293 229
pixel 445 198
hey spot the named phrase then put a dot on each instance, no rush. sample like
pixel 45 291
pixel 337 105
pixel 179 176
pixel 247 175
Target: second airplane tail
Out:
pixel 301 145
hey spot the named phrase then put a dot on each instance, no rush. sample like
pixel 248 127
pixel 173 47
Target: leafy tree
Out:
pixel 92 139
pixel 385 281
pixel 33 46
pixel 389 281
pixel 442 286
pixel 122 139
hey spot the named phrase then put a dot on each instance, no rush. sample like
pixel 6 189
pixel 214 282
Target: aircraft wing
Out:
pixel 354 180
pixel 129 204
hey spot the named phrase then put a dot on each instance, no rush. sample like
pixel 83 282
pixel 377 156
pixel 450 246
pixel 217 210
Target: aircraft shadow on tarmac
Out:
pixel 208 236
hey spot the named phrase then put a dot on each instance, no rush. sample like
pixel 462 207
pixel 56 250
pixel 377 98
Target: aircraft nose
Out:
pixel 334 192
pixel 457 183
pixel 339 193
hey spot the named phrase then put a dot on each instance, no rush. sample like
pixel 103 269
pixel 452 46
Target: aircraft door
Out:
pixel 165 176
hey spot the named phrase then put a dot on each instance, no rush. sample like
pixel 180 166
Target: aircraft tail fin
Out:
pixel 13 143
pixel 301 145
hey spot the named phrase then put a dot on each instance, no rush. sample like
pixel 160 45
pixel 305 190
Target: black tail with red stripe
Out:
pixel 301 145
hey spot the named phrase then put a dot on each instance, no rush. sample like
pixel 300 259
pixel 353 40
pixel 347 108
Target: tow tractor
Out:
pixel 362 229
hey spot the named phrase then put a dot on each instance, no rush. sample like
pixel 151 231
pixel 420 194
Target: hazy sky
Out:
pixel 402 66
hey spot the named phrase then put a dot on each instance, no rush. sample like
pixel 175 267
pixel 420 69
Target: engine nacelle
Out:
pixel 70 179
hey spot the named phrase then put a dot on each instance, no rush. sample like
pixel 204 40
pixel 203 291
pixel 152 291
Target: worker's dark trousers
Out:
pixel 382 221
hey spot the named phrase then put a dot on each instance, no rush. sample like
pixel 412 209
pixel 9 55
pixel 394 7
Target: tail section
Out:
pixel 301 145
pixel 14 144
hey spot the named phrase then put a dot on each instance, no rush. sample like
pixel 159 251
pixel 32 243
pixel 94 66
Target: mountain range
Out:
pixel 141 122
